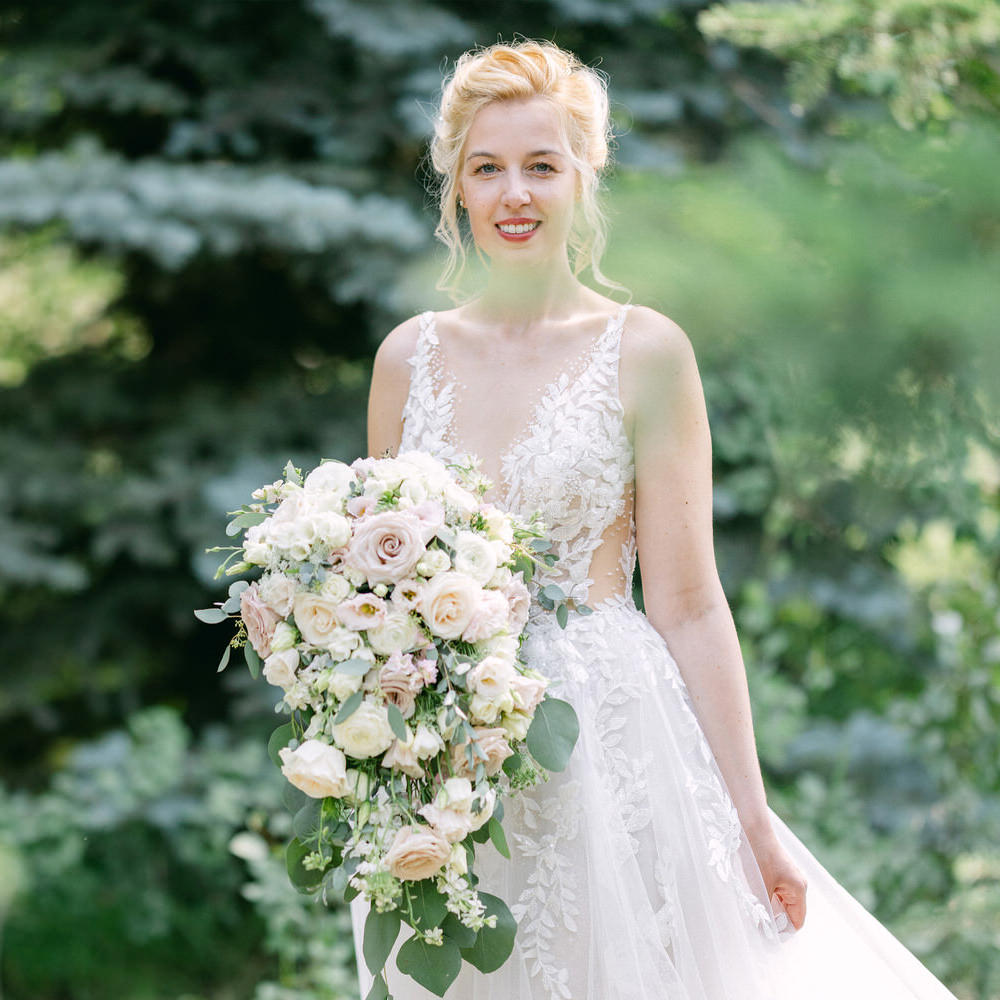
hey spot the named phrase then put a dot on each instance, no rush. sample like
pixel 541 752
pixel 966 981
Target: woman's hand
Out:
pixel 783 880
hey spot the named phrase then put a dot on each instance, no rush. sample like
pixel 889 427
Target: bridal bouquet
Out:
pixel 389 609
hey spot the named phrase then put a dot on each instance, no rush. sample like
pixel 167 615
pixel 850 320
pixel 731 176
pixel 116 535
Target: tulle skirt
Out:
pixel 630 876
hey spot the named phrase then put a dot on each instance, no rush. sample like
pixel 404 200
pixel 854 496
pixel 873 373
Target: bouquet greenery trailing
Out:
pixel 389 606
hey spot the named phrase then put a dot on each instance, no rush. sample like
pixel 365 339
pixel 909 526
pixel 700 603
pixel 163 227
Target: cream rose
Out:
pixel 365 732
pixel 335 588
pixel 386 547
pixel 401 756
pixel 342 685
pixel 515 725
pixel 316 618
pixel 417 852
pixel 316 768
pixel 475 556
pixel 329 477
pixel 484 710
pixel 259 620
pixel 493 743
pixel 520 601
pixel 400 681
pixel 279 668
pixel 448 602
pixel 398 631
pixel 426 742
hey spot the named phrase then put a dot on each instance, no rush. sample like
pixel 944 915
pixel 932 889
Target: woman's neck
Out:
pixel 525 296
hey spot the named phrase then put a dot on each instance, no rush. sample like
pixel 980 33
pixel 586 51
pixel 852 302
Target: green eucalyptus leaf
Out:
pixel 562 615
pixel 379 990
pixel 464 937
pixel 225 658
pixel 211 616
pixel 396 721
pixel 553 733
pixel 304 879
pixel 427 903
pixel 253 660
pixel 498 837
pixel 280 738
pixel 348 708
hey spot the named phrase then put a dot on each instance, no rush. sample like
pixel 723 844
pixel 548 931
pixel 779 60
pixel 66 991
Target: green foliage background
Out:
pixel 210 215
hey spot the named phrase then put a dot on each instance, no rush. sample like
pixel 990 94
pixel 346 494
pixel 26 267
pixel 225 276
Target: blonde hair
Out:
pixel 522 70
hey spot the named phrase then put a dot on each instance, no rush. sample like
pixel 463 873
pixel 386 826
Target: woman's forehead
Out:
pixel 525 125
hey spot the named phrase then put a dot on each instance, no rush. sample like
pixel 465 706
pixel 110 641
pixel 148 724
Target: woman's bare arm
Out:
pixel 389 387
pixel 683 595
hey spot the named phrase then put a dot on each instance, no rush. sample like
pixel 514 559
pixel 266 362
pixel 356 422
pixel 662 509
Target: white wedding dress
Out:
pixel 630 876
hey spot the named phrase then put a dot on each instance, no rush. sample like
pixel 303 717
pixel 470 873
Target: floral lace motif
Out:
pixel 573 461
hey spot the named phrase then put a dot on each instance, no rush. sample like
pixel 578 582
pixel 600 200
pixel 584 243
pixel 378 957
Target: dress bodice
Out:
pixel 572 460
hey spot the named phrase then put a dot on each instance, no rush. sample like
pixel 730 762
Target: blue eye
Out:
pixel 482 168
pixel 548 167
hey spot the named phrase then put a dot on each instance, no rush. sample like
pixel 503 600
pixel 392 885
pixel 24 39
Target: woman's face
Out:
pixel 518 183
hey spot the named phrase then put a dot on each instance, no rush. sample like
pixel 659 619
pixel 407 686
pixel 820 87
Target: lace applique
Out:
pixel 573 462
pixel 626 772
pixel 548 904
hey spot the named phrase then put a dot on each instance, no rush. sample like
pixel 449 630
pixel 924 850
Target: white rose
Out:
pixel 277 591
pixel 491 677
pixel 342 685
pixel 288 537
pixel 335 588
pixel 475 556
pixel 516 724
pixel 426 742
pixel 365 732
pixel 452 825
pixel 500 578
pixel 504 646
pixel 461 499
pixel 328 527
pixel 501 550
pixel 431 470
pixel 342 642
pixel 413 490
pixel 483 710
pixel 330 477
pixel 433 562
pixel 317 768
pixel 284 637
pixel 498 524
pixel 487 803
pixel 399 631
pixel 279 668
pixel 448 602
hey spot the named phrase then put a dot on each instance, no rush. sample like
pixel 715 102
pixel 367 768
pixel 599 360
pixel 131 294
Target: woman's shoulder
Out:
pixel 652 340
pixel 398 346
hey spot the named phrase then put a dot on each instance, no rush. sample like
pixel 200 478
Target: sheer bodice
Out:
pixel 570 458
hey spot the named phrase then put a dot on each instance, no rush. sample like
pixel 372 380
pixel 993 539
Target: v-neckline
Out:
pixel 506 490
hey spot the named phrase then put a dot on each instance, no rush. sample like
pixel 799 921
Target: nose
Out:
pixel 515 192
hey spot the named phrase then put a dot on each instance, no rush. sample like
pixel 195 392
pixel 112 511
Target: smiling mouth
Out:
pixel 519 228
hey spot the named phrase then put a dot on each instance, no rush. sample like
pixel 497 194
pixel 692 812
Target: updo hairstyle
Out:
pixel 522 70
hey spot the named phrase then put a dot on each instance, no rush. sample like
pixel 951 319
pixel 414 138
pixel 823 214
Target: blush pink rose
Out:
pixel 490 617
pixel 259 620
pixel 386 547
pixel 528 691
pixel 417 852
pixel 493 743
pixel 520 600
pixel 430 513
pixel 400 681
pixel 362 611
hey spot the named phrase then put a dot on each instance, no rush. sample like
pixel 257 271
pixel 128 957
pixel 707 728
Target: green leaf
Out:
pixel 562 615
pixel 379 990
pixel 308 821
pixel 396 722
pixel 225 658
pixel 553 733
pixel 279 738
pixel 253 660
pixel 302 878
pixel 245 520
pixel 211 616
pixel 435 967
pixel 347 709
pixel 292 474
pixel 237 588
pixel 584 609
pixel 498 837
pixel 381 931
pixel 493 944
pixel 511 764
pixel 355 667
pixel 427 903
pixel 464 937
pixel 481 835
pixel 554 592
pixel 540 544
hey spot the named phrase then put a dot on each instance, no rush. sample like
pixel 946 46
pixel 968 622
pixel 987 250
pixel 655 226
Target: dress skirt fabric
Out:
pixel 630 876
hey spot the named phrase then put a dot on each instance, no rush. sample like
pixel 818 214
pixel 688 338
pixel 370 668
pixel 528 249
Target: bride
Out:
pixel 652 867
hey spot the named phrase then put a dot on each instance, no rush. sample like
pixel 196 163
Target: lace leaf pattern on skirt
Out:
pixel 548 905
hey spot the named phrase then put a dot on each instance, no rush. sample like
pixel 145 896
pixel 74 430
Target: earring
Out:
pixel 461 203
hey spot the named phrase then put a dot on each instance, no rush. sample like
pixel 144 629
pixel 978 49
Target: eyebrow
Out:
pixel 536 152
